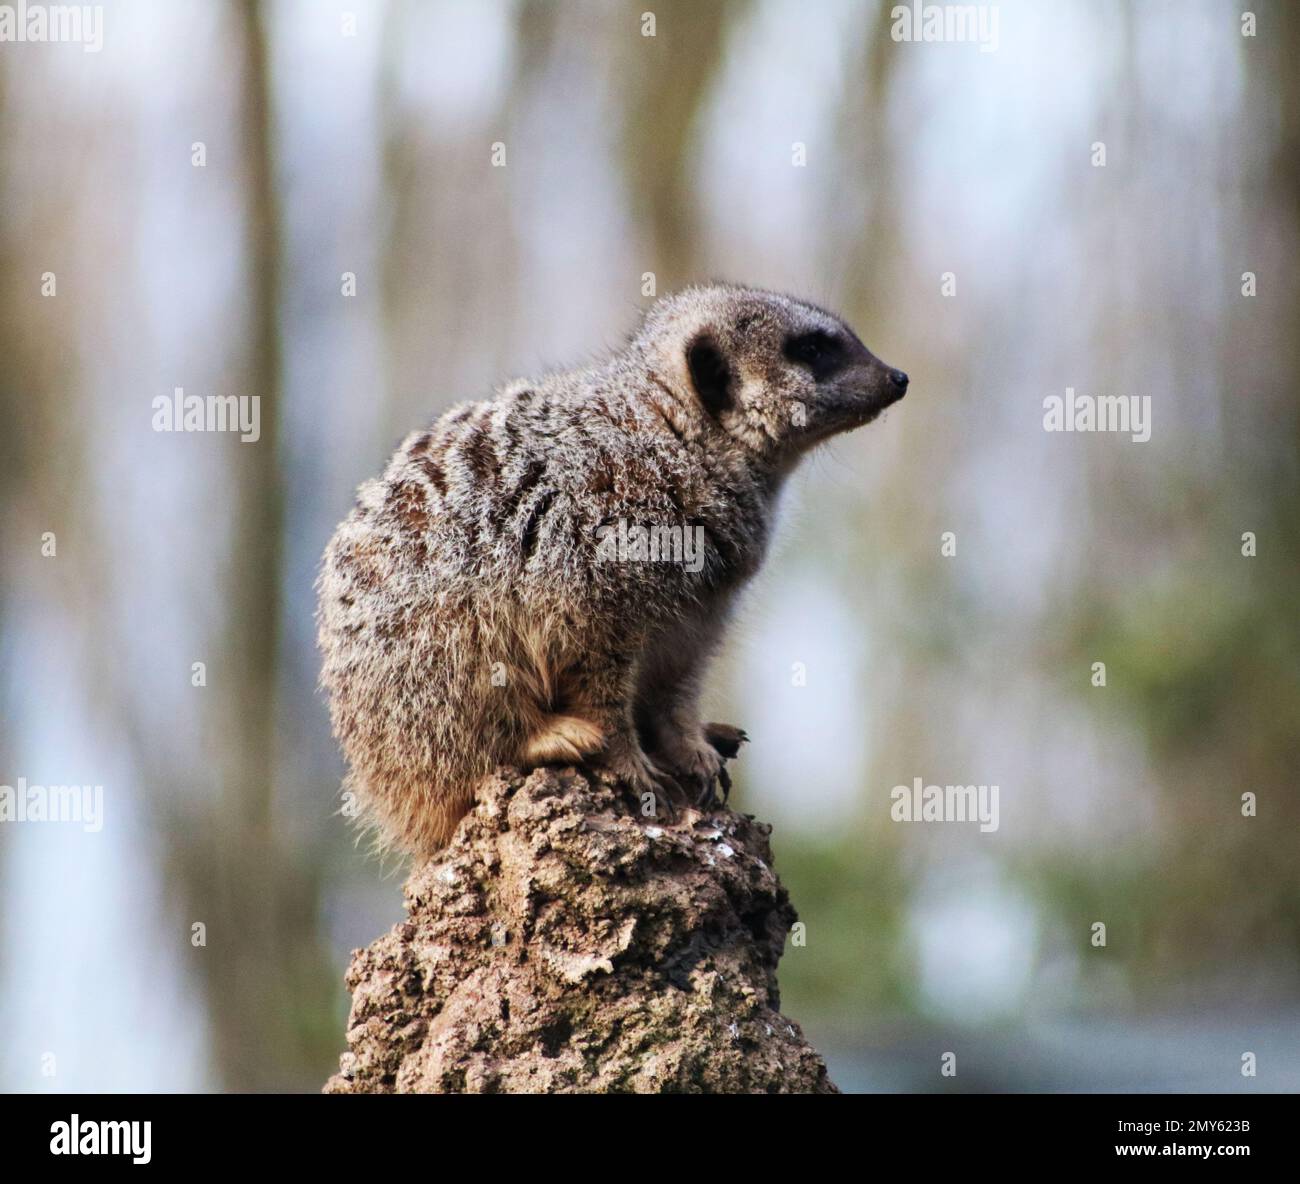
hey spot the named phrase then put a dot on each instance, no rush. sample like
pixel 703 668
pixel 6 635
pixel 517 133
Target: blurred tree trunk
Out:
pixel 270 985
pixel 43 441
pixel 1286 190
pixel 11 452
pixel 664 84
pixel 448 250
pixel 861 253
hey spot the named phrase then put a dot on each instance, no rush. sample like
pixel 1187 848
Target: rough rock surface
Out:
pixel 563 943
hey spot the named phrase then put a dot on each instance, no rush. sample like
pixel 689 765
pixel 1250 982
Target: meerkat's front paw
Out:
pixel 635 771
pixel 698 765
pixel 725 738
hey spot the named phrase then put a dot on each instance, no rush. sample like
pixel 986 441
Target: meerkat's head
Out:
pixel 775 374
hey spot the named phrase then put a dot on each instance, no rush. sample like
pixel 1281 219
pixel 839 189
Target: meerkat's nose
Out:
pixel 899 379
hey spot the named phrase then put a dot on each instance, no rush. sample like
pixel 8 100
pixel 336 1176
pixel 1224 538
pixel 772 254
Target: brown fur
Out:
pixel 470 615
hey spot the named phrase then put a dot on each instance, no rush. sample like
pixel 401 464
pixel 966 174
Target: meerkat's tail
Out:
pixel 562 739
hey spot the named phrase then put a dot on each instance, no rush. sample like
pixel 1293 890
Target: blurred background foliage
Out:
pixel 356 138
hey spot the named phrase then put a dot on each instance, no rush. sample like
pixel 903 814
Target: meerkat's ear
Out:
pixel 710 374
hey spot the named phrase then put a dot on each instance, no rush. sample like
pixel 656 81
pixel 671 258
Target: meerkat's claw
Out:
pixel 665 801
pixel 642 777
pixel 725 739
pixel 709 798
pixel 666 788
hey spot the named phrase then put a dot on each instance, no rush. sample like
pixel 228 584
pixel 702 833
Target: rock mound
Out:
pixel 564 943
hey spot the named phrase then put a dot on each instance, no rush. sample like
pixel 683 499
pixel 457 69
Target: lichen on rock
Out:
pixel 562 943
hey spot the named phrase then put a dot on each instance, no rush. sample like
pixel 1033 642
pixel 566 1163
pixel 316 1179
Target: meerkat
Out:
pixel 472 612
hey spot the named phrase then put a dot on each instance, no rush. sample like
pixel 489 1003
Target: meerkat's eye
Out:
pixel 817 350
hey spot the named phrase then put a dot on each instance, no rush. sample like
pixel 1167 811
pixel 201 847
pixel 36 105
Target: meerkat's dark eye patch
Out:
pixel 710 374
pixel 821 352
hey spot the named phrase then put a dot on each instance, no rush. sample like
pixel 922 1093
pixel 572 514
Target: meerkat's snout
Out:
pixel 850 385
pixel 893 386
pixel 882 384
